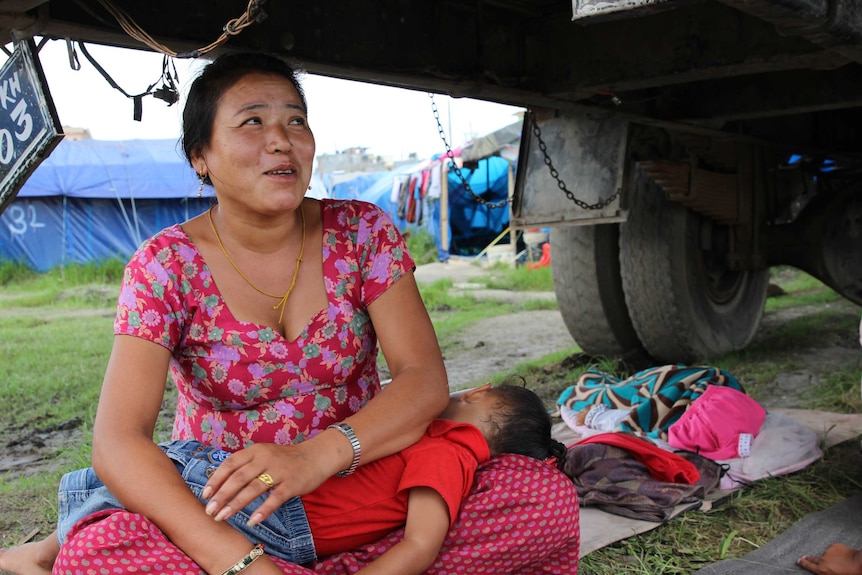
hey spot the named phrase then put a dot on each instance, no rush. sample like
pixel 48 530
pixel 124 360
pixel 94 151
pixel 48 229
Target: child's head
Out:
pixel 512 418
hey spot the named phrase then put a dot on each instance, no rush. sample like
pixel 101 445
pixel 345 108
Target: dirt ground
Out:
pixel 498 344
pixel 490 346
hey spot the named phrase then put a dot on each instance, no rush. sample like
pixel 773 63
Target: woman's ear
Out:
pixel 198 162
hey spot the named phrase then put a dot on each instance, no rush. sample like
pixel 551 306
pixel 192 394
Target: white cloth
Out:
pixel 434 184
pixel 782 446
pixel 599 418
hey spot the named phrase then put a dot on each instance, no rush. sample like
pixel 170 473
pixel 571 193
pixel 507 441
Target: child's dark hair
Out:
pixel 521 425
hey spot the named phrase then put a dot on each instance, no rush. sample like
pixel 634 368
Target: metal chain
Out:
pixel 556 175
pixel 451 156
pixel 547 159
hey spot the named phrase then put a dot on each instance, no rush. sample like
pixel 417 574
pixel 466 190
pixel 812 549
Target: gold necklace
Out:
pixel 282 299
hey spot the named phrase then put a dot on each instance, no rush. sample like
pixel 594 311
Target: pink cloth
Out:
pixel 521 518
pixel 720 424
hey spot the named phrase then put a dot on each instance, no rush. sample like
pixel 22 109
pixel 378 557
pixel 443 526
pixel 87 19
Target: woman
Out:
pixel 266 310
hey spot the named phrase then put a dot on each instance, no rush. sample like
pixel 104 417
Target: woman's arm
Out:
pixel 395 418
pixel 419 390
pixel 136 470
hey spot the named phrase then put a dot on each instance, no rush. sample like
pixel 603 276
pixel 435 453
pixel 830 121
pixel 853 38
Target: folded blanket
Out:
pixel 613 480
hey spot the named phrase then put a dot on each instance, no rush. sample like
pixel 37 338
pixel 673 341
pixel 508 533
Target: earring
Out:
pixel 201 187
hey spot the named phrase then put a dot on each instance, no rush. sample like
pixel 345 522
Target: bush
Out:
pixel 422 246
pixel 15 272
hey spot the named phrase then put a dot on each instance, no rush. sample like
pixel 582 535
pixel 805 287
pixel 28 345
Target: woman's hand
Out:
pixel 284 471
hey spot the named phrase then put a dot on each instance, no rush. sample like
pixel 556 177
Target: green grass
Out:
pixel 55 337
pixel 749 519
pixel 55 366
pixel 18 278
pixel 521 278
pixel 451 313
pixel 422 247
pixel 800 289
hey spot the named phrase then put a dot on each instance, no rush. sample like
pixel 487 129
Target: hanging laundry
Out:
pixel 434 184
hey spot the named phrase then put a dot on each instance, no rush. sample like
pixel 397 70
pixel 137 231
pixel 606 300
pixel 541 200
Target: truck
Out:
pixel 676 149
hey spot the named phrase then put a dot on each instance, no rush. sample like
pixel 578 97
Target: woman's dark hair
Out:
pixel 215 79
pixel 521 424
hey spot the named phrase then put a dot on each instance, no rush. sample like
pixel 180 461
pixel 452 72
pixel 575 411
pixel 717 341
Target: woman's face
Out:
pixel 261 151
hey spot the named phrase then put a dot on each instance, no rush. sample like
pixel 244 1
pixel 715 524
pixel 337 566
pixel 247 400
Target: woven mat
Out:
pixel 809 536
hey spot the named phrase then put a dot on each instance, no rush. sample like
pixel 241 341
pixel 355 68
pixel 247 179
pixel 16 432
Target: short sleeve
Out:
pixel 150 305
pixel 384 258
pixel 446 462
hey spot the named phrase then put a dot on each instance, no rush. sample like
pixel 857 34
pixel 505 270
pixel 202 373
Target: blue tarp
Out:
pixel 141 169
pixel 376 187
pixel 472 225
pixel 91 200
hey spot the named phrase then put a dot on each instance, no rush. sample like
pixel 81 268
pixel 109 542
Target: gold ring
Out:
pixel 267 480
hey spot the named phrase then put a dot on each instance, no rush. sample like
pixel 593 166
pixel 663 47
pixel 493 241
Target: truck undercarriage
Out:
pixel 712 139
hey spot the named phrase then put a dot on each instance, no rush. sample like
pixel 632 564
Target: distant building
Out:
pixel 358 159
pixel 77 133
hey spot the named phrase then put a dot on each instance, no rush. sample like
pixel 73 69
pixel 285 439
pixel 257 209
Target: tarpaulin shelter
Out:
pixel 460 224
pixel 472 224
pixel 92 200
pixel 377 188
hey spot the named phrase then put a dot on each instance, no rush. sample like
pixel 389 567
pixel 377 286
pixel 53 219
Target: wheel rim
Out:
pixel 722 284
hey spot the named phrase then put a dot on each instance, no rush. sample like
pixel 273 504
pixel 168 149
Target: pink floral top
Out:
pixel 240 383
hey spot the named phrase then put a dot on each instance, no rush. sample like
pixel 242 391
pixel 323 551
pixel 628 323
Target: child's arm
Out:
pixel 424 533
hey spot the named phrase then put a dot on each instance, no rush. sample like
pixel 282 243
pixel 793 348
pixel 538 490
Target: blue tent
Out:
pixel 91 200
pixel 376 187
pixel 472 225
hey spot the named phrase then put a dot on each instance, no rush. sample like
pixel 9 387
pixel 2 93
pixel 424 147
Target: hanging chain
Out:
pixel 451 156
pixel 547 159
pixel 556 175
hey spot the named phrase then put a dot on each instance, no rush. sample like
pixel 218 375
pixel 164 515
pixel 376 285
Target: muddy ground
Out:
pixel 491 346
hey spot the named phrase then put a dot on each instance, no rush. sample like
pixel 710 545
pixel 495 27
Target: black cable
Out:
pixel 167 92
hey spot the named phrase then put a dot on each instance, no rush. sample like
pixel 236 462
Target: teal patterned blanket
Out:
pixel 656 396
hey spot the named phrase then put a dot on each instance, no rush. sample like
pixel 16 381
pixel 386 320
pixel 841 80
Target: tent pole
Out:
pixel 65 240
pixel 444 206
pixel 513 237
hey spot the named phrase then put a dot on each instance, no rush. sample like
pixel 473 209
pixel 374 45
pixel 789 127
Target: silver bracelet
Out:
pixel 240 565
pixel 354 443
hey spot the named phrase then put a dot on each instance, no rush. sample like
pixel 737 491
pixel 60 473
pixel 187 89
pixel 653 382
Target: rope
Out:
pixel 252 15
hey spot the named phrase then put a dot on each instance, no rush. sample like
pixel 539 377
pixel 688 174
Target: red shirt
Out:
pixel 346 512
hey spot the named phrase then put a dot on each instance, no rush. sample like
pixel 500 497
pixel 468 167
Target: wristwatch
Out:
pixel 354 443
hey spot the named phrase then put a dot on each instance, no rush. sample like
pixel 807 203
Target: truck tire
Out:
pixel 586 273
pixel 684 303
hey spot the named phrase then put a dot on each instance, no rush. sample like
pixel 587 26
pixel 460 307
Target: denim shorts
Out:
pixel 285 533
